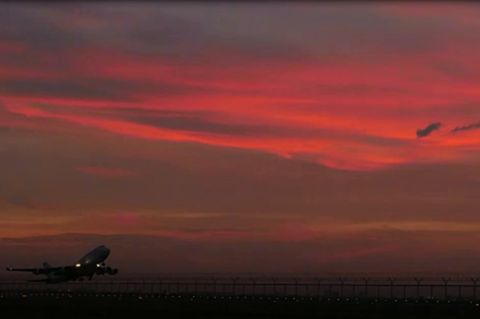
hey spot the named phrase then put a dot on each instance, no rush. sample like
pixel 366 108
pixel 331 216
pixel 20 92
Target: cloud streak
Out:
pixel 473 126
pixel 110 172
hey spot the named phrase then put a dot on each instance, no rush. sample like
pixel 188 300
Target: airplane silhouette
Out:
pixel 91 264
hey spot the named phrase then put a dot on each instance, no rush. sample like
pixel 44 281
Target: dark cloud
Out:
pixel 64 88
pixel 92 88
pixel 186 32
pixel 21 200
pixel 143 30
pixel 190 121
pixel 469 127
pixel 211 122
pixel 428 130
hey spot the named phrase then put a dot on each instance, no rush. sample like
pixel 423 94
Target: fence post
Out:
pixel 392 281
pixel 366 280
pixel 474 280
pixel 296 287
pixel 234 286
pixel 418 281
pixel 342 282
pixel 445 283
pixel 319 285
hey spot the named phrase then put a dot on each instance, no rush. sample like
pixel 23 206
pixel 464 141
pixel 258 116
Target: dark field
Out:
pixel 204 306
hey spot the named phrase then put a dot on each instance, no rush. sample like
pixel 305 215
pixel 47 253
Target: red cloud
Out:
pixel 352 111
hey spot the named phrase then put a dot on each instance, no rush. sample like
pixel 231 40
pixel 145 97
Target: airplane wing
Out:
pixel 36 271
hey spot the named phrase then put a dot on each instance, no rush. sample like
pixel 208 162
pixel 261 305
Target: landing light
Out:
pixel 98 265
pixel 78 265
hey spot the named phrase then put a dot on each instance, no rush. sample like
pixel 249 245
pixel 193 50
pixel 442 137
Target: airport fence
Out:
pixel 378 288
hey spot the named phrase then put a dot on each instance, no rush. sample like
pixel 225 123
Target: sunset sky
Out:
pixel 241 137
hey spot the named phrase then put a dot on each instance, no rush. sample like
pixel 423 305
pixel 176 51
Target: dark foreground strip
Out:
pixel 98 305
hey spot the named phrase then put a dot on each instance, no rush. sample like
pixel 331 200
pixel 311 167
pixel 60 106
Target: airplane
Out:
pixel 91 264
